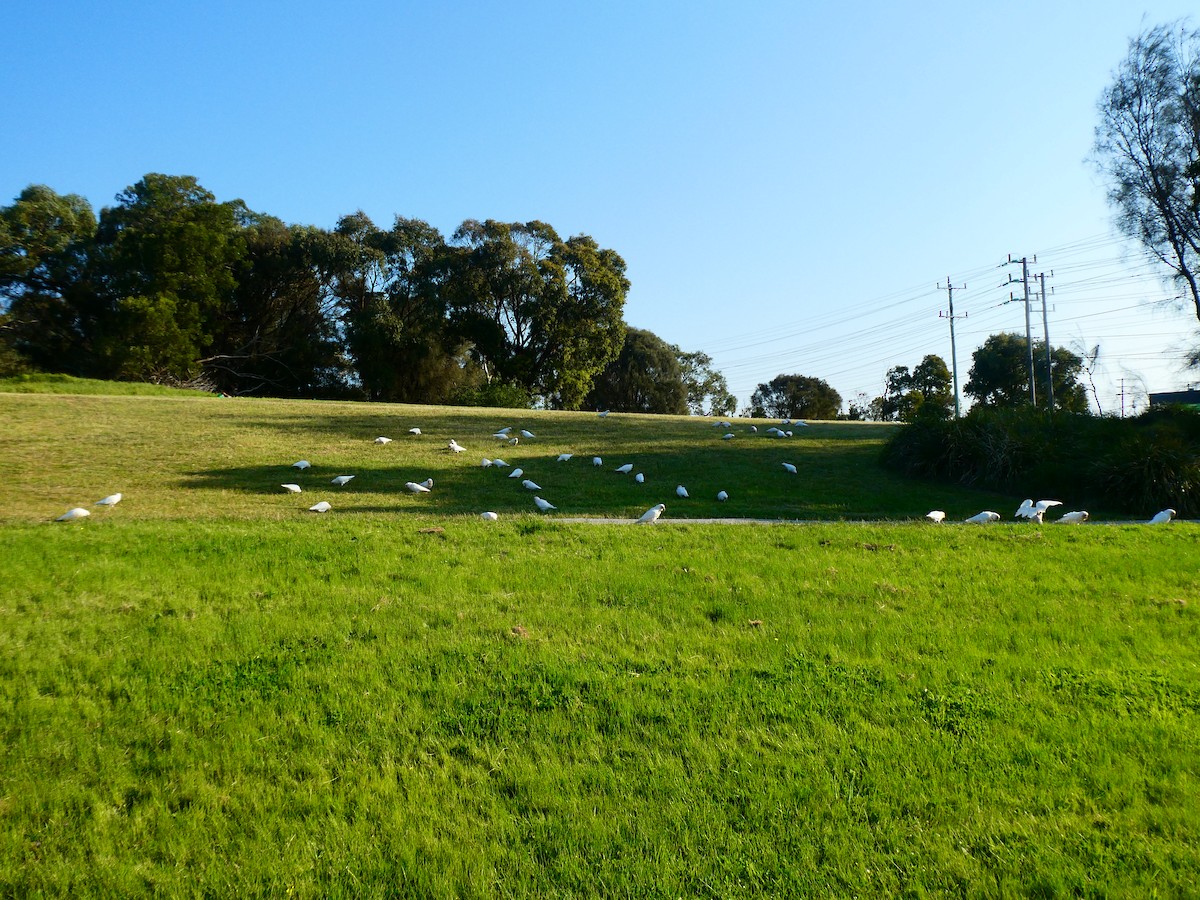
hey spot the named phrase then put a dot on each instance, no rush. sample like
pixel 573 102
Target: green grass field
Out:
pixel 207 690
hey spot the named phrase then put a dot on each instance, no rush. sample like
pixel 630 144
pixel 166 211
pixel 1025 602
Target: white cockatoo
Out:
pixel 323 506
pixel 342 480
pixel 681 491
pixel 650 516
pixel 625 469
pixel 543 505
pixel 789 467
pixel 530 485
pixel 935 515
pixel 114 499
pixel 414 488
pixel 71 515
pixel 1161 518
pixel 291 488
pixel 488 516
pixel 302 465
pixel 383 440
pixel 983 518
pixel 1074 518
pixel 722 496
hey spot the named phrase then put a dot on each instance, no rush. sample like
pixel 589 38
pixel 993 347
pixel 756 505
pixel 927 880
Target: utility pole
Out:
pixel 1046 333
pixel 1028 324
pixel 953 346
pixel 1122 398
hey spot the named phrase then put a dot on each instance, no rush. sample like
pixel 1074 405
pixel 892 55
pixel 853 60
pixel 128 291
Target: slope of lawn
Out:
pixel 204 457
pixel 207 690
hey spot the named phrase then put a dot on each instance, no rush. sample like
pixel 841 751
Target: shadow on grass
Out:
pixel 829 484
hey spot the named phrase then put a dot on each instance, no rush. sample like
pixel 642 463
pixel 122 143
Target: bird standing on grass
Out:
pixel 1074 518
pixel 1161 518
pixel 110 500
pixel 291 488
pixel 323 506
pixel 789 467
pixel 415 488
pixel 488 516
pixel 625 469
pixel 650 516
pixel 342 480
pixel 544 505
pixel 935 515
pixel 681 491
pixel 722 496
pixel 72 514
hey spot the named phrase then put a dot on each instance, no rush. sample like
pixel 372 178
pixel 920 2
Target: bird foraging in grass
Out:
pixel 414 431
pixel 639 478
pixel 625 469
pixel 650 516
pixel 302 465
pixel 722 496
pixel 1074 518
pixel 321 507
pixel 681 491
pixel 383 440
pixel 72 514
pixel 516 473
pixel 488 516
pixel 455 446
pixel 935 515
pixel 415 488
pixel 789 467
pixel 342 480
pixel 1161 518
pixel 563 457
pixel 597 461
pixel 291 488
pixel 530 486
pixel 110 500
pixel 544 505
pixel 983 518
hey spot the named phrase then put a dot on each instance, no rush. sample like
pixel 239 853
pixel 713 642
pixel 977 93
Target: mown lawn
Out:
pixel 209 691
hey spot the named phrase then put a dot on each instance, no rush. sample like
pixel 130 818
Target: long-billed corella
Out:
pixel 650 516
pixel 342 480
pixel 302 464
pixel 983 518
pixel 563 457
pixel 936 515
pixel 455 446
pixel 415 431
pixel 530 486
pixel 383 440
pixel 625 469
pixel 526 434
pixel 681 491
pixel 516 473
pixel 291 488
pixel 789 467
pixel 110 500
pixel 415 488
pixel 722 496
pixel 323 506
pixel 1161 518
pixel 1074 518
pixel 543 505
pixel 488 516
pixel 597 461
pixel 71 515
pixel 639 478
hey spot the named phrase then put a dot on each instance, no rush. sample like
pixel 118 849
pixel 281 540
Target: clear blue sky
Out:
pixel 787 182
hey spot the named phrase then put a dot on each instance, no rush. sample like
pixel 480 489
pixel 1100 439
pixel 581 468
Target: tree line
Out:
pixel 170 285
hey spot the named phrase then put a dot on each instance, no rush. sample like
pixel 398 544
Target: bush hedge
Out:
pixel 1136 466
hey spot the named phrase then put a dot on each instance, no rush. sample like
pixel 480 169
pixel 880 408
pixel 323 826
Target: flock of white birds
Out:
pixel 1029 510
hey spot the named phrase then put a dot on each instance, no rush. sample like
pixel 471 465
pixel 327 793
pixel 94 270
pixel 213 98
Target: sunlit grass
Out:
pixel 207 690
pixel 205 458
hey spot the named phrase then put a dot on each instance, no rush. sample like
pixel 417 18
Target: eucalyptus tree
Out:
pixel 45 294
pixel 1148 144
pixel 536 311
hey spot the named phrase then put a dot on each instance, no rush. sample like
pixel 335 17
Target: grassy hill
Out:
pixel 209 690
pixel 201 457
